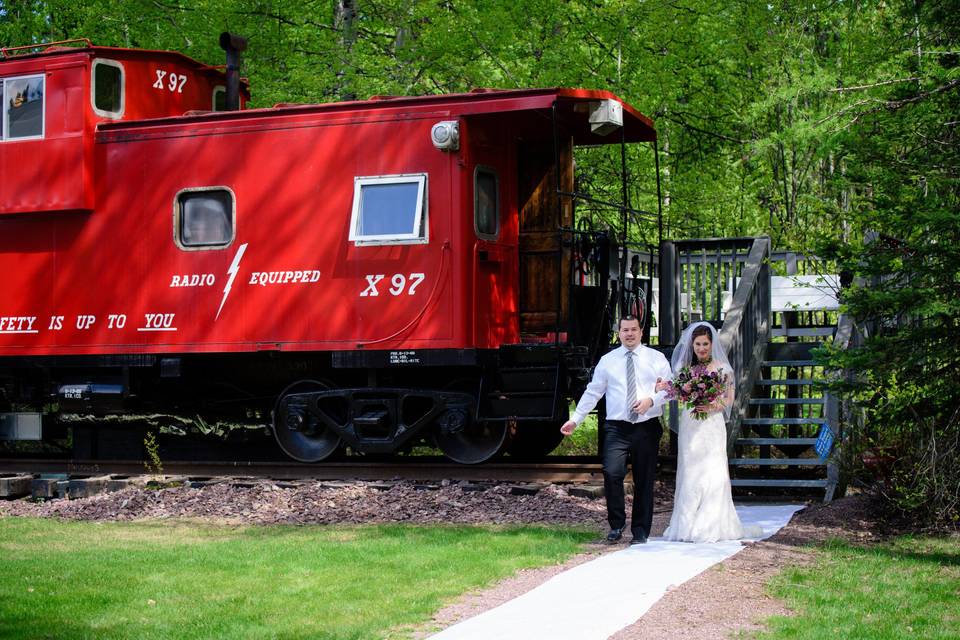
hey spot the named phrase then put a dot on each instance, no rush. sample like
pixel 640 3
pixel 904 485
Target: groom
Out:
pixel 627 376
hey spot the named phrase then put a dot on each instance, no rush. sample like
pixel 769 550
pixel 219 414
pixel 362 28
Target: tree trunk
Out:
pixel 344 22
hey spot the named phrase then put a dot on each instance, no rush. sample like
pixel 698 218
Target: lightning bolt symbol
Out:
pixel 234 267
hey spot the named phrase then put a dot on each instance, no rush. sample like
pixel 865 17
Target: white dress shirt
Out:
pixel 610 378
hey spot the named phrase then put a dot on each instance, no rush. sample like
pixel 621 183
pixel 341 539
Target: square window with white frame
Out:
pixel 204 218
pixel 23 105
pixel 389 209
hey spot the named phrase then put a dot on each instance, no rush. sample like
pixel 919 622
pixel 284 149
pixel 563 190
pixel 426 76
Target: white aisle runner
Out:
pixel 596 599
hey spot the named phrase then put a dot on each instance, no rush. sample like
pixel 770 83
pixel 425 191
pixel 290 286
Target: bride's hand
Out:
pixel 661 385
pixel 705 408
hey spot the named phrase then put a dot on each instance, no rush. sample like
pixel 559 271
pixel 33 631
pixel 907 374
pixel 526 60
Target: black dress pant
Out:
pixel 638 443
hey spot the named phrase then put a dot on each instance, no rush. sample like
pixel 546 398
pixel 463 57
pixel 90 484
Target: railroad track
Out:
pixel 568 471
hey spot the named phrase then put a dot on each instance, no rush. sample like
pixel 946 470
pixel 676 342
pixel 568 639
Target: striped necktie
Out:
pixel 631 387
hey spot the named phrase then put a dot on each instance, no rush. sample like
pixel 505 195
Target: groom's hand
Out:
pixel 642 406
pixel 568 427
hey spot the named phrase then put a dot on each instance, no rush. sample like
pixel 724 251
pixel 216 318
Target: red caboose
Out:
pixel 376 271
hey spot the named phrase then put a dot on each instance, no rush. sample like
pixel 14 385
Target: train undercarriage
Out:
pixel 471 405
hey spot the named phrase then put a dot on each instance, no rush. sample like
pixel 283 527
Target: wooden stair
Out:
pixel 772 309
pixel 775 448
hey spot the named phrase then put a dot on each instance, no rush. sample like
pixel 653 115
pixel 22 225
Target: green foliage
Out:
pixel 902 589
pixel 152 464
pixel 902 204
pixel 582 442
pixel 192 580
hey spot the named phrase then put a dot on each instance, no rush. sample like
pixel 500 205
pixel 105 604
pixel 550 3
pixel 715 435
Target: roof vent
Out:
pixel 606 116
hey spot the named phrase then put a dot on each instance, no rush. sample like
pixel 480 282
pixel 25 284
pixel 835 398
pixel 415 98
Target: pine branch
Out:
pixel 889 105
pixel 863 87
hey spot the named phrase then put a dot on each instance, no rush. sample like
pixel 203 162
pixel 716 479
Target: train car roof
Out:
pixel 83 48
pixel 540 102
pixel 571 104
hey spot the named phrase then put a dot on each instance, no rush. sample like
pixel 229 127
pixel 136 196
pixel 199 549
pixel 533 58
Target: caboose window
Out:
pixel 389 209
pixel 219 99
pixel 486 203
pixel 204 218
pixel 108 94
pixel 23 107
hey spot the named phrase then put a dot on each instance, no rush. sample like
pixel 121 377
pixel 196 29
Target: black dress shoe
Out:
pixel 638 540
pixel 615 534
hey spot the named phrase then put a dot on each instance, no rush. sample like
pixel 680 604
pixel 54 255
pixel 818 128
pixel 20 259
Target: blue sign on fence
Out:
pixel 824 441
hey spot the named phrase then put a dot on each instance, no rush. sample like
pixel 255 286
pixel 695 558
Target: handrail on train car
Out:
pixel 7 51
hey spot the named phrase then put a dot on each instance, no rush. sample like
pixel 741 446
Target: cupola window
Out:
pixel 23 104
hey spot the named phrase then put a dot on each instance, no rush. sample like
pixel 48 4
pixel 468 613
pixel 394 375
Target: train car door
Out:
pixel 544 294
pixel 494 249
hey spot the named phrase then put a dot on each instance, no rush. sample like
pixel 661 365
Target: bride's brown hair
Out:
pixel 702 330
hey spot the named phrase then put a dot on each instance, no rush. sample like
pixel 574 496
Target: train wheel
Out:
pixel 301 435
pixel 535 439
pixel 470 442
pixel 465 440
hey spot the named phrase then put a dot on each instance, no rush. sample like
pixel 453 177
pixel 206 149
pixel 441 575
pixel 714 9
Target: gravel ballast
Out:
pixel 265 502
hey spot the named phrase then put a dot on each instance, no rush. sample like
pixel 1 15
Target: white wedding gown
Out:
pixel 703 503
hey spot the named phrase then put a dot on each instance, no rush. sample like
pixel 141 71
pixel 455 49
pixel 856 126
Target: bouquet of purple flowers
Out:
pixel 696 386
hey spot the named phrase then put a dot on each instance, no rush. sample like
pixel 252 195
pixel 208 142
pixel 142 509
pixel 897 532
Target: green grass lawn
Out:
pixel 181 579
pixel 907 588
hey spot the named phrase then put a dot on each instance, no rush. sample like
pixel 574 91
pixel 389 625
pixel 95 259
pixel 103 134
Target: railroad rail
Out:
pixel 582 471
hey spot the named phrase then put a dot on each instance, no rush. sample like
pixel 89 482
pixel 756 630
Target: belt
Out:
pixel 627 423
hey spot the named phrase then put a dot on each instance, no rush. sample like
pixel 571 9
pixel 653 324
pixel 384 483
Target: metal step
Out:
pixel 791 350
pixel 518 404
pixel 795 332
pixel 786 401
pixel 523 355
pixel 500 394
pixel 775 441
pixel 783 421
pixel 769 383
pixel 789 363
pixel 532 378
pixel 769 462
pixel 758 482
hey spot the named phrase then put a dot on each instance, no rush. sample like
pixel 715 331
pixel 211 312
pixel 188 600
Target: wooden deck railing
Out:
pixel 726 282
pixel 698 280
pixel 746 330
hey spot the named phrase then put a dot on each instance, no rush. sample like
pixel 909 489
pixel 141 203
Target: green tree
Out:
pixel 900 149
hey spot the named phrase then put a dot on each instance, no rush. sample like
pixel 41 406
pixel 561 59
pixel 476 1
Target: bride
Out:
pixel 703 504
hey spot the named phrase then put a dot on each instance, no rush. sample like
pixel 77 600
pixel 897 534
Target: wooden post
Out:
pixel 669 287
